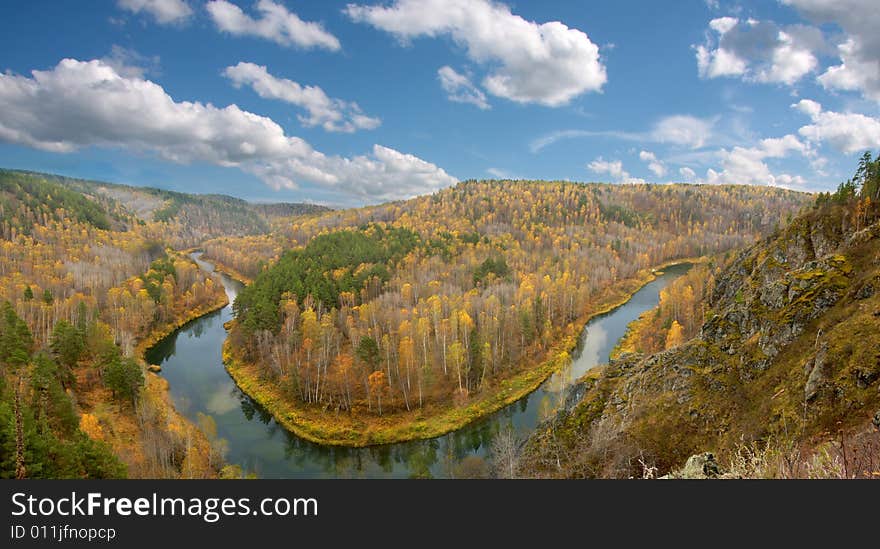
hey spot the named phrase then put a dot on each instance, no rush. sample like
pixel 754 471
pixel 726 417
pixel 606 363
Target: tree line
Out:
pixel 82 281
pixel 490 277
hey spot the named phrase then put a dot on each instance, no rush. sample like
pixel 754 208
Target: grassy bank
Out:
pixel 164 330
pixel 136 435
pixel 229 271
pixel 627 343
pixel 128 438
pixel 318 425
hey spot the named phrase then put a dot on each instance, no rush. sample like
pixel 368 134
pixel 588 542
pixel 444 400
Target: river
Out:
pixel 191 361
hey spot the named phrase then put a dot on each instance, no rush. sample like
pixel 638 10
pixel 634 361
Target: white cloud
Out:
pixel 87 103
pixel 719 62
pixel 746 166
pixel 688 174
pixel 762 51
pixel 788 64
pixel 679 129
pixel 656 166
pixel 779 147
pixel 723 25
pixel 163 11
pixel 854 73
pixel 460 89
pixel 614 168
pixel 808 107
pixel 546 63
pixel 275 23
pixel 498 173
pixel 847 132
pixel 334 115
pixel 128 62
pixel 540 143
pixel 758 51
pixel 683 130
pixel 859 53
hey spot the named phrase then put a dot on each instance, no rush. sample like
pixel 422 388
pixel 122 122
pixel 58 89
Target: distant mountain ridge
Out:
pixel 195 217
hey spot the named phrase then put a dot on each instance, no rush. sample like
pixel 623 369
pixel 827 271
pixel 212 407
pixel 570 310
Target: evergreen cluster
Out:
pixel 40 431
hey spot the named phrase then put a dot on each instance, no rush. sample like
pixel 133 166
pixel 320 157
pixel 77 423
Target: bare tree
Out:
pixel 505 453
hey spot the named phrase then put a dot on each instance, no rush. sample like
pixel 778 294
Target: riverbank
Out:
pixel 159 332
pixel 139 438
pixel 199 460
pixel 164 330
pixel 228 271
pixel 641 325
pixel 344 429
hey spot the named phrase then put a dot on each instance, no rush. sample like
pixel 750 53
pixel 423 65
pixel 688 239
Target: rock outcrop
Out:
pixel 790 343
pixel 698 467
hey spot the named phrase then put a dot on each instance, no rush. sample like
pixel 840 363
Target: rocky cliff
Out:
pixel 789 353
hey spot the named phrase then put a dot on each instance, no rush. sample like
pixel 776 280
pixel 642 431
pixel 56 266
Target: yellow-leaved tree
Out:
pixel 89 425
pixel 675 335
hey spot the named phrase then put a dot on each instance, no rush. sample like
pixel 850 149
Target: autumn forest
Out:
pixel 433 303
pixel 356 327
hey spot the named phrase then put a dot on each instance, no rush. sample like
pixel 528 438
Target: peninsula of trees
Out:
pixel 410 319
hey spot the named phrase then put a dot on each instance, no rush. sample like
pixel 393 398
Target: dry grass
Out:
pixel 853 455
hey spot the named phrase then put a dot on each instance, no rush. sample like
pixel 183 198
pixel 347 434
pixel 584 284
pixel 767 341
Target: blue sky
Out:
pixel 345 104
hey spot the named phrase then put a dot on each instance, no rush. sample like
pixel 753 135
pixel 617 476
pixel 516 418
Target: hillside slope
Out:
pixel 89 277
pixel 787 363
pixel 381 320
pixel 184 219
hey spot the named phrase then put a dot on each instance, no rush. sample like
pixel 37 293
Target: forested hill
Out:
pixel 187 219
pixel 28 200
pixel 771 362
pixel 438 299
pixel 612 215
pixel 90 274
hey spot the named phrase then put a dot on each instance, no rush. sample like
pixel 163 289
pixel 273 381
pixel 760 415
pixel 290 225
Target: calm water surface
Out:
pixel 191 361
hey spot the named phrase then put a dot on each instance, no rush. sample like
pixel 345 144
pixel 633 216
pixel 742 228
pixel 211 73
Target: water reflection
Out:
pixel 191 360
pixel 223 401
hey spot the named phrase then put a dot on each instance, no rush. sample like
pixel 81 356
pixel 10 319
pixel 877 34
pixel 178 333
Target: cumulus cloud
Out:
pixel 334 115
pixel 847 132
pixel 688 174
pixel 855 73
pixel 128 62
pixel 859 53
pixel 460 89
pixel 614 168
pixel 718 62
pixel 746 166
pixel 683 130
pixel 79 104
pixel 762 51
pixel 656 166
pixel 274 23
pixel 547 63
pixel 165 12
pixel 758 51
